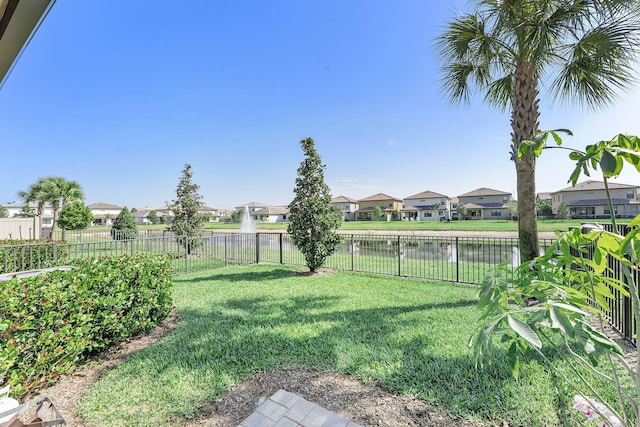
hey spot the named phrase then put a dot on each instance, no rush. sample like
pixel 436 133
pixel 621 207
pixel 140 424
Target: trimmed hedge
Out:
pixel 20 255
pixel 51 322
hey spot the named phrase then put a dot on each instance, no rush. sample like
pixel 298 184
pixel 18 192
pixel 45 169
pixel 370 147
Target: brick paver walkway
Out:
pixel 285 409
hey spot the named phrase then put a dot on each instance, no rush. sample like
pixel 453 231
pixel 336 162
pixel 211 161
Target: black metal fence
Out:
pixel 456 259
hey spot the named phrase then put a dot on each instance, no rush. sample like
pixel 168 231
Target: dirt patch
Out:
pixel 319 272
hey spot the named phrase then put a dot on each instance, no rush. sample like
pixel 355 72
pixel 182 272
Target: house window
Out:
pixel 505 199
pixel 633 208
pixel 629 194
pixel 284 217
pixel 496 212
pixel 607 211
pixel 427 214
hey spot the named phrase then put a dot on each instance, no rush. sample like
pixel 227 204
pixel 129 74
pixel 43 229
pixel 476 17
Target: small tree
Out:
pixel 544 208
pixel 4 212
pixel 461 210
pixel 377 212
pixel 26 212
pixel 124 227
pixel 313 221
pixel 153 217
pixel 563 211
pixel 187 221
pixel 75 216
pixel 512 209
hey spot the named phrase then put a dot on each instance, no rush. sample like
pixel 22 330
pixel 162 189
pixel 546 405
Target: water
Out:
pixel 247 225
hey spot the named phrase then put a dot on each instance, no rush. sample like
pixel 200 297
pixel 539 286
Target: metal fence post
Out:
pixel 399 257
pixel 226 259
pixel 457 261
pixel 353 251
pixel 281 250
pixel 55 253
pixel 133 253
pixel 257 248
pixel 186 254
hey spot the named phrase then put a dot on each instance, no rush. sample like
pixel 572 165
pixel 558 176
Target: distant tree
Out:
pixel 27 211
pixel 461 210
pixel 187 221
pixel 56 191
pixel 435 209
pixel 544 207
pixel 395 215
pixel 164 218
pixel 75 216
pixel 313 221
pixel 124 226
pixel 377 212
pixel 4 212
pixel 153 217
pixel 237 215
pixel 563 211
pixel 512 209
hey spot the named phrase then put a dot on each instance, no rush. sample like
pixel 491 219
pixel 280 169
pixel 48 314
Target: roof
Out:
pixel 601 202
pixel 483 191
pixel 271 210
pixel 485 206
pixel 594 185
pixel 379 197
pixel 101 205
pixel 427 195
pixel 343 199
pixel 252 205
pixel 19 21
pixel 544 196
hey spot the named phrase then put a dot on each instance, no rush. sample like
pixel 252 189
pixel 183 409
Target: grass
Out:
pixel 411 335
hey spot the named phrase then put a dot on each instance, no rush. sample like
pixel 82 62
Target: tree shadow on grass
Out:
pixel 230 341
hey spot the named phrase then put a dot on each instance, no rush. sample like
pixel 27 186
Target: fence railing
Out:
pixel 456 259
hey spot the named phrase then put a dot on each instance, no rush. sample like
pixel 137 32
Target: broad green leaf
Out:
pixel 560 321
pixel 575 156
pixel 602 340
pixel 635 221
pixel 524 331
pixel 608 164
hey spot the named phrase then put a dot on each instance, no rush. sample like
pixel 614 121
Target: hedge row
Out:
pixel 20 255
pixel 51 322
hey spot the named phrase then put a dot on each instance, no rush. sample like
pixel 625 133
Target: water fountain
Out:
pixel 247 225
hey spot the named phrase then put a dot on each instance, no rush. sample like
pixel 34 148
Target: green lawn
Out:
pixel 486 225
pixel 411 335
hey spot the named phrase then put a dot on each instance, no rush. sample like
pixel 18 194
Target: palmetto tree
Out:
pixel 54 190
pixel 582 50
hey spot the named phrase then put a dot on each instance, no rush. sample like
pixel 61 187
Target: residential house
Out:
pixel 588 199
pixel 16 209
pixel 271 214
pixel 486 203
pixel 347 207
pixel 426 206
pixel 387 204
pixel 453 207
pixel 164 215
pixel 251 207
pixel 104 213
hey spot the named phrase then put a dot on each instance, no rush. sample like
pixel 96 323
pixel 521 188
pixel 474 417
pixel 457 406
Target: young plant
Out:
pixel 548 306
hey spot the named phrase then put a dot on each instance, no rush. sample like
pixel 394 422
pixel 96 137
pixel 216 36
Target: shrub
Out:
pixel 53 321
pixel 124 226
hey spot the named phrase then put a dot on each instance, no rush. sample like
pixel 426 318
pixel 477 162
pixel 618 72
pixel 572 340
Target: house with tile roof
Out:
pixel 251 207
pixel 486 203
pixel 347 207
pixel 426 206
pixel 588 200
pixel 387 204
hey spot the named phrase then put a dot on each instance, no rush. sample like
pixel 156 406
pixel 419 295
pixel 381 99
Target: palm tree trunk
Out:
pixel 524 124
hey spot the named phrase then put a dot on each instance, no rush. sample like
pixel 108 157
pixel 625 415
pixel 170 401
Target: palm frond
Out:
pixel 499 93
pixel 599 64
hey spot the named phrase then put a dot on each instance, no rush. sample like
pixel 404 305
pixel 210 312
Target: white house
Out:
pixel 347 207
pixel 271 214
pixel 426 206
pixel 15 209
pixel 588 199
pixel 251 207
pixel 104 213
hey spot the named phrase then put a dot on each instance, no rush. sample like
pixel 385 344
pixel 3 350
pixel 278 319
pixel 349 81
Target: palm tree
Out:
pixel 54 190
pixel 583 49
pixel 60 192
pixel 35 195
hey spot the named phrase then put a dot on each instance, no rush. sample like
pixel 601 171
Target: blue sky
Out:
pixel 118 95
